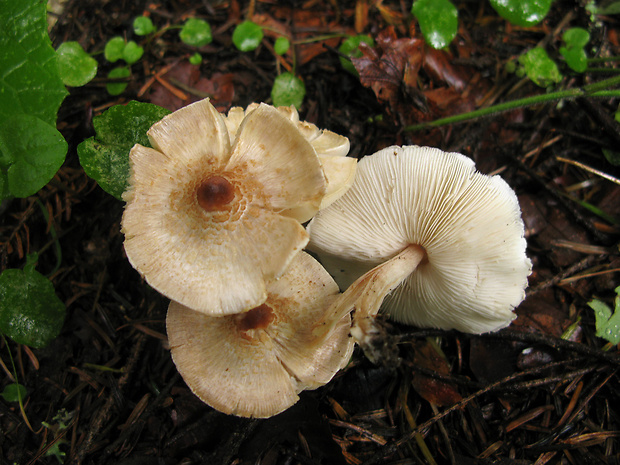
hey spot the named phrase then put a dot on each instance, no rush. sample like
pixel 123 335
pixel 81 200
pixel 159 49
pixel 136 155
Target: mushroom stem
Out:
pixel 366 294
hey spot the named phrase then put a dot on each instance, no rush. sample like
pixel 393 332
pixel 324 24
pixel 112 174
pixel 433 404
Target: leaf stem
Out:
pixel 310 40
pixel 19 394
pixel 597 89
pixel 604 59
pixel 54 234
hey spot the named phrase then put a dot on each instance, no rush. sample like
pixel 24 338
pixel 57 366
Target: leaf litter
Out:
pixel 542 391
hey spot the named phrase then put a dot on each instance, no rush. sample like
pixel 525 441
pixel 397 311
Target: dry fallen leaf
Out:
pixel 435 391
pixel 187 77
pixel 388 66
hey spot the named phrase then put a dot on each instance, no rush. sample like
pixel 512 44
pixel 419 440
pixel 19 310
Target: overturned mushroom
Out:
pixel 205 213
pixel 255 364
pixel 441 242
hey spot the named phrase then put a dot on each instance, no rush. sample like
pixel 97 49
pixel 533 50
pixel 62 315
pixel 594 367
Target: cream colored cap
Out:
pixel 256 363
pixel 330 147
pixel 204 215
pixel 468 224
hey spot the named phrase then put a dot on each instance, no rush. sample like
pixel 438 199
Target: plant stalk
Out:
pixel 598 89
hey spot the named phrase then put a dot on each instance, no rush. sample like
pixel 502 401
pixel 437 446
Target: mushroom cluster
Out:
pixel 214 221
pixel 216 203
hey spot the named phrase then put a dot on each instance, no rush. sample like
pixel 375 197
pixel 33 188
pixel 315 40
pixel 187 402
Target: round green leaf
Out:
pixel 247 36
pixel 132 52
pixel 113 50
pixel 13 392
pixel 105 157
pixel 541 69
pixel 143 26
pixel 281 45
pixel 116 88
pixel 30 311
pixel 195 59
pixel 576 58
pixel 196 32
pixel 351 48
pixel 288 90
pixel 575 38
pixel 31 152
pixel 522 12
pixel 75 65
pixel 438 21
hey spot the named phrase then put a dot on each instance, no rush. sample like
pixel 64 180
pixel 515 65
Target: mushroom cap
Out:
pixel 204 214
pixel 325 142
pixel 256 363
pixel 330 147
pixel 469 225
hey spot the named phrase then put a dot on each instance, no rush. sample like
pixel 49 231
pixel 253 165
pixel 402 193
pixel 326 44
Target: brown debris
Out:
pixel 543 391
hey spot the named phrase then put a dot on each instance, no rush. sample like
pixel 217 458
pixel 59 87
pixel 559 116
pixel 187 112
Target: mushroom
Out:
pixel 442 243
pixel 205 213
pixel 330 147
pixel 254 364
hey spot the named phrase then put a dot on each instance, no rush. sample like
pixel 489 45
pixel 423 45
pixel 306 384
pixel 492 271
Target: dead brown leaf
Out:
pixel 385 67
pixel 187 77
pixel 435 391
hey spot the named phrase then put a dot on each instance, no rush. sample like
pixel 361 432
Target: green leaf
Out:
pixel 13 392
pixel 142 26
pixel 612 8
pixel 105 157
pixel 29 79
pixel 31 152
pixel 54 450
pixel 522 12
pixel 612 156
pixel 195 59
pixel 281 45
pixel 576 39
pixel 76 67
pixel 196 32
pixel 30 311
pixel 351 48
pixel 132 52
pixel 607 324
pixel 288 90
pixel 541 69
pixel 438 21
pixel 117 88
pixel 247 36
pixel 113 50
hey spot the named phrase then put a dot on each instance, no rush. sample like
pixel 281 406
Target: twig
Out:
pixel 390 449
pixel 612 358
pixel 104 413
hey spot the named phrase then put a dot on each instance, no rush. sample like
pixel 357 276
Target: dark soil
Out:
pixel 107 388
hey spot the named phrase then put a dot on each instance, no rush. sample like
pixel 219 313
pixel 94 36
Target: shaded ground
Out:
pixel 107 387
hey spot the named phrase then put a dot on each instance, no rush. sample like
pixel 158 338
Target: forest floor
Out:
pixel 545 390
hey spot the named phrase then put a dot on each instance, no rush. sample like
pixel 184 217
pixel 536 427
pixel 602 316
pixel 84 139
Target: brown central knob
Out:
pixel 214 193
pixel 258 318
